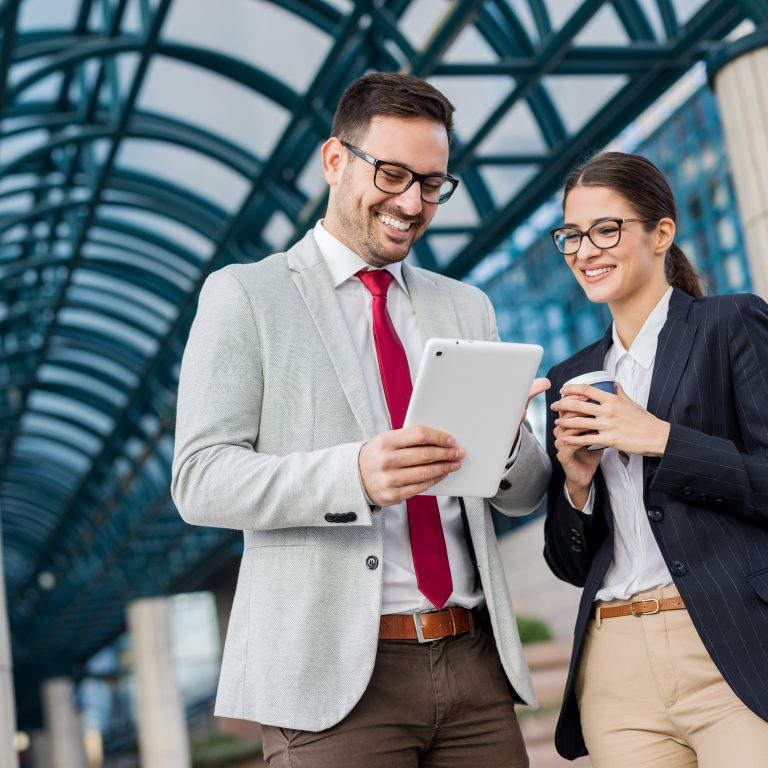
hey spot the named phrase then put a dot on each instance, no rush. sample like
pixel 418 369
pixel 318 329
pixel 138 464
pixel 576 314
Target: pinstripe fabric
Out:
pixel 710 381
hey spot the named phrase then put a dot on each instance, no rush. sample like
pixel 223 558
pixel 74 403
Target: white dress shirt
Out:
pixel 400 593
pixel 637 564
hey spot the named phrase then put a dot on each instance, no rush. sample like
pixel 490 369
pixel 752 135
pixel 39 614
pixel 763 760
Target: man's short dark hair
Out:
pixel 388 94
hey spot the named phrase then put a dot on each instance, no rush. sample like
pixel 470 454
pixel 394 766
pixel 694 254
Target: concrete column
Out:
pixel 738 74
pixel 40 749
pixel 62 723
pixel 8 754
pixel 163 738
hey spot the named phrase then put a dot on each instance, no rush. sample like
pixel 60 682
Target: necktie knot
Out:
pixel 375 280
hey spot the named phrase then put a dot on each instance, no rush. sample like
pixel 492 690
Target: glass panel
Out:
pixel 254 31
pixel 474 98
pixel 604 28
pixel 186 168
pixel 44 14
pixel 119 333
pixel 685 9
pixel 505 182
pixel 516 133
pixel 213 102
pixel 579 97
pixel 52 403
pixel 191 240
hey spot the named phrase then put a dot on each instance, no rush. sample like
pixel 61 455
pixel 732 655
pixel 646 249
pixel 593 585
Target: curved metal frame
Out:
pixel 104 533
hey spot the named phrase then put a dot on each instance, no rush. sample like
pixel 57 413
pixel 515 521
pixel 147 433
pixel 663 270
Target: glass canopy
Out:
pixel 144 143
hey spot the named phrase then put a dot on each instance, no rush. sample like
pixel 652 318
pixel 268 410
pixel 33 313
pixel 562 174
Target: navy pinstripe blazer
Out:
pixel 706 498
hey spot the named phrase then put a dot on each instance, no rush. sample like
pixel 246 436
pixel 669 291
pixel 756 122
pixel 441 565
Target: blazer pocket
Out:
pixel 759 582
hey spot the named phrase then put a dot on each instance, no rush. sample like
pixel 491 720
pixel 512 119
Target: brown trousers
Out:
pixel 651 697
pixel 442 704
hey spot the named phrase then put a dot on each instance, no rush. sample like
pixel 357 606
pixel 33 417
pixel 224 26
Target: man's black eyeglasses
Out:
pixel 603 234
pixel 394 179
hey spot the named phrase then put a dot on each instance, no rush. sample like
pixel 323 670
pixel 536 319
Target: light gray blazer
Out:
pixel 272 412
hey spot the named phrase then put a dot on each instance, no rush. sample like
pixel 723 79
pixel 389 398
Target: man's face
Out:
pixel 381 227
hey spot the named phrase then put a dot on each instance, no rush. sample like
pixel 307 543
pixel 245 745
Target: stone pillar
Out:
pixel 738 74
pixel 62 723
pixel 40 749
pixel 163 739
pixel 8 754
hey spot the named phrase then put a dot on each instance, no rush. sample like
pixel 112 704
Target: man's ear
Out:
pixel 665 235
pixel 333 155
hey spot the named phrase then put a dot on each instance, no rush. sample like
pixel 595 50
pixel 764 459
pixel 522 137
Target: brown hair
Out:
pixel 641 183
pixel 388 94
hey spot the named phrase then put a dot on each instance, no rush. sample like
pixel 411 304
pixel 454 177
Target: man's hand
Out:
pixel 405 462
pixel 538 386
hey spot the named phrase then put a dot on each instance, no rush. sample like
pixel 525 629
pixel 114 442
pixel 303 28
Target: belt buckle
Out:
pixel 419 629
pixel 645 613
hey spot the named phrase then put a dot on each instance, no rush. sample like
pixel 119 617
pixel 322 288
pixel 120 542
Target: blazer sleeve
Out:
pixel 571 538
pixel 524 483
pixel 218 477
pixel 714 472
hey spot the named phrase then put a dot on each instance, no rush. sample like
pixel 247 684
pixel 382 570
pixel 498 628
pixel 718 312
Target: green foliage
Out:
pixel 223 749
pixel 533 630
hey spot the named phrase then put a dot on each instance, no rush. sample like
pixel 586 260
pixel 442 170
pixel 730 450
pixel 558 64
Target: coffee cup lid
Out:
pixel 593 377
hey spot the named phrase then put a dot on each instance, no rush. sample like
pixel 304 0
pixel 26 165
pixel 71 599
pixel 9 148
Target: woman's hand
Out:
pixel 618 421
pixel 579 464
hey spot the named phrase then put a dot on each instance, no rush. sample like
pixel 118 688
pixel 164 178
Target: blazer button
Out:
pixel 718 501
pixel 687 491
pixel 349 517
pixel 330 518
pixel 505 485
pixel 703 497
pixel 656 514
pixel 677 568
pixel 372 562
pixel 575 547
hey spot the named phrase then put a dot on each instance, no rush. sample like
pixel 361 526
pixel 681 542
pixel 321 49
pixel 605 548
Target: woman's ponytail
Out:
pixel 680 272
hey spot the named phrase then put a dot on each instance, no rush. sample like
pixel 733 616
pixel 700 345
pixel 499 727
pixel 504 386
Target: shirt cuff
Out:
pixel 590 500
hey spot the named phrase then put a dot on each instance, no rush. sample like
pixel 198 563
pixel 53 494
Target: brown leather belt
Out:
pixel 426 626
pixel 639 608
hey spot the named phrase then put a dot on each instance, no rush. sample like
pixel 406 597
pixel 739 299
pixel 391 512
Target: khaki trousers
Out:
pixel 440 704
pixel 650 695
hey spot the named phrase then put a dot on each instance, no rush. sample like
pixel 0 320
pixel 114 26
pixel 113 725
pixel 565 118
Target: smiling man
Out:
pixel 371 625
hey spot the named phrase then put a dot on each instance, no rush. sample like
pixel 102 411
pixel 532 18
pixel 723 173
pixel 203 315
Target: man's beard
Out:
pixel 361 230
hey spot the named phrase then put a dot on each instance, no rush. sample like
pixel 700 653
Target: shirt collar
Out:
pixel 643 348
pixel 343 263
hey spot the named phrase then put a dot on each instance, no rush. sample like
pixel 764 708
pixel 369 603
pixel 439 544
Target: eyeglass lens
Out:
pixel 393 179
pixel 603 234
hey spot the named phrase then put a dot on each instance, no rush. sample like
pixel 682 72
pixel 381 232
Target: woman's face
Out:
pixel 629 270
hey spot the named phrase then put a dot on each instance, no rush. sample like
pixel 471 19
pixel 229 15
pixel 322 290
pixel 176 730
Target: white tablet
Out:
pixel 476 391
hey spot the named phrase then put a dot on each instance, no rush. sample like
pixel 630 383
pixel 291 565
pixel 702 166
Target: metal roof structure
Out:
pixel 145 143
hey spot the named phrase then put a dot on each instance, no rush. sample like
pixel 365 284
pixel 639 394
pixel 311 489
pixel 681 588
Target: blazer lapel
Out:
pixel 672 352
pixel 432 305
pixel 313 281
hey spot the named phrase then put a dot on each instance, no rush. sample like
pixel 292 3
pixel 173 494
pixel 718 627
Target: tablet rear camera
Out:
pixel 438 353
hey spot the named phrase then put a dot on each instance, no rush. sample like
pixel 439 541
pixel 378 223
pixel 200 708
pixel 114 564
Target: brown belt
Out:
pixel 639 608
pixel 426 626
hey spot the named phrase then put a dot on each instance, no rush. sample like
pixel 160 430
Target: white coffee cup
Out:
pixel 600 380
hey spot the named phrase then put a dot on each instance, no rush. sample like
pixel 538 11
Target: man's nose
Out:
pixel 410 201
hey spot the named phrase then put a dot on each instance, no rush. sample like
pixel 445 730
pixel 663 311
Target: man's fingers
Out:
pixel 421 455
pixel 418 435
pixel 538 386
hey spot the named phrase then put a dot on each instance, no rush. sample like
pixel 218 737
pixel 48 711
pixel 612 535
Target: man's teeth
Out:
pixel 595 272
pixel 396 223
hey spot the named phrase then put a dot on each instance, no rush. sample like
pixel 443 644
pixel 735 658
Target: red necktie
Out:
pixel 430 557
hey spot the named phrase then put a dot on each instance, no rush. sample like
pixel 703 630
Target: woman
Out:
pixel 666 529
